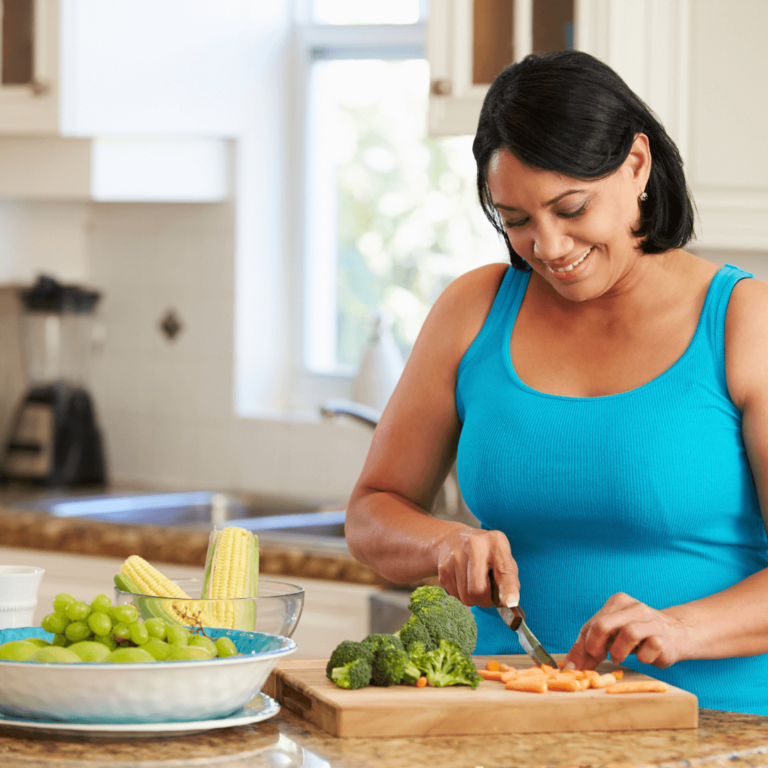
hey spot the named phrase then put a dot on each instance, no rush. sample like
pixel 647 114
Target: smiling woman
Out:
pixel 604 398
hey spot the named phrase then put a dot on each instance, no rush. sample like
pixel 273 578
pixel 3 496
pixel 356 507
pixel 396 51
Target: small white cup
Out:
pixel 18 594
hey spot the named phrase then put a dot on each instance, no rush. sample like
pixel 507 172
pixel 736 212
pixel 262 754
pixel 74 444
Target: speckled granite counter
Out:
pixel 722 739
pixel 168 545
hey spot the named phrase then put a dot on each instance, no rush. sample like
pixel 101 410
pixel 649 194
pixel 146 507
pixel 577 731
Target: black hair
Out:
pixel 570 113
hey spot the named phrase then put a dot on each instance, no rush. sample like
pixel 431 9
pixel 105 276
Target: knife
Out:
pixel 514 618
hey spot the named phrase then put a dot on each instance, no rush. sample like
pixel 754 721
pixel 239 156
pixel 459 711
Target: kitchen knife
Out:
pixel 514 618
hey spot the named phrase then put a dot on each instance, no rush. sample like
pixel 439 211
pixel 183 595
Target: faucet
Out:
pixel 449 502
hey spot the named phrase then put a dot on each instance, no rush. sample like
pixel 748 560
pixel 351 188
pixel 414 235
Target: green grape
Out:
pixel 139 633
pixel 62 601
pixel 225 647
pixel 203 642
pixel 121 631
pixel 100 623
pixel 60 641
pixel 55 623
pixel 77 630
pixel 101 603
pixel 157 628
pixel 78 611
pixel 178 636
pixel 107 640
pixel 125 614
pixel 157 648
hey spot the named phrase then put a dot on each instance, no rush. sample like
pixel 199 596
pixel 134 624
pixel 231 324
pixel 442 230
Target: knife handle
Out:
pixel 517 611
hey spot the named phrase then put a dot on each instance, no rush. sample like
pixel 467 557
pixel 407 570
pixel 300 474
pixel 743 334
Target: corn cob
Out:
pixel 136 575
pixel 232 571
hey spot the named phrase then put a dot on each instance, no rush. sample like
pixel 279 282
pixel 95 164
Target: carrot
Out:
pixel 603 681
pixel 505 668
pixel 488 674
pixel 641 686
pixel 547 669
pixel 421 682
pixel 618 673
pixel 532 671
pixel 564 685
pixel 534 684
pixel 492 666
pixel 512 674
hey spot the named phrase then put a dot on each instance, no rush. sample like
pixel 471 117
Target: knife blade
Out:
pixel 514 618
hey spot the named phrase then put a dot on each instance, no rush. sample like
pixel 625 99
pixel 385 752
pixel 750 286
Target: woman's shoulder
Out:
pixel 746 340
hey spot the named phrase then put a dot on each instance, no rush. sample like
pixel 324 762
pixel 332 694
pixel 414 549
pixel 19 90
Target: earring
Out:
pixel 643 197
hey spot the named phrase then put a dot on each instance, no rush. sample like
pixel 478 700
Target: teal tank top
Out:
pixel 647 492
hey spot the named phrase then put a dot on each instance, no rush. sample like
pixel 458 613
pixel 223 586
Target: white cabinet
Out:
pixel 470 41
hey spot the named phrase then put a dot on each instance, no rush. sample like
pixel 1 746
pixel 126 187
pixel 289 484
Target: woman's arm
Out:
pixel 733 622
pixel 388 525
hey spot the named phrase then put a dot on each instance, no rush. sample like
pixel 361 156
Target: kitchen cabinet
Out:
pixel 470 41
pixel 333 611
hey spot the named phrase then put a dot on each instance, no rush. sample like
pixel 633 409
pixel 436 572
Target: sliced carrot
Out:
pixel 492 666
pixel 505 668
pixel 512 674
pixel 534 684
pixel 421 682
pixel 532 671
pixel 488 674
pixel 546 668
pixel 618 673
pixel 564 685
pixel 603 681
pixel 641 686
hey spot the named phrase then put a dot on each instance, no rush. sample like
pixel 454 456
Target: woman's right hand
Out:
pixel 464 557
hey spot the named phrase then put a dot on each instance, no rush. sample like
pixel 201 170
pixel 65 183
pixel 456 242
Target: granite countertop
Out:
pixel 722 739
pixel 35 530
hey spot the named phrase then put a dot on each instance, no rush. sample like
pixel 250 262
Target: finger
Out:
pixel 651 651
pixel 505 572
pixel 630 639
pixel 478 583
pixel 605 630
pixel 578 657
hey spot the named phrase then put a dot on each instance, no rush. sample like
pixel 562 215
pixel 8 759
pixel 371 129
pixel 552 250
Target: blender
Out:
pixel 54 439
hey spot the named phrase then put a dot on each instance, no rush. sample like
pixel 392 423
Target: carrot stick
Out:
pixel 603 681
pixel 618 673
pixel 492 666
pixel 641 686
pixel 534 684
pixel 488 674
pixel 532 671
pixel 512 674
pixel 564 685
pixel 505 668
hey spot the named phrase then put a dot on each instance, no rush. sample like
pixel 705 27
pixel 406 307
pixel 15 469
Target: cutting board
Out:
pixel 302 687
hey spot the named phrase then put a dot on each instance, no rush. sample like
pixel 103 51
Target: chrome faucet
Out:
pixel 449 502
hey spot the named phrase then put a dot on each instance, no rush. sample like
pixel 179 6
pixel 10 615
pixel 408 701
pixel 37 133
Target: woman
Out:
pixel 606 400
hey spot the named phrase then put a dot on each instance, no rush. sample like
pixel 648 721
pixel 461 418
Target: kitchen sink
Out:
pixel 274 520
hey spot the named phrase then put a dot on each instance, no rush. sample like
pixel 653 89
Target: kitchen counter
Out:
pixel 722 739
pixel 34 530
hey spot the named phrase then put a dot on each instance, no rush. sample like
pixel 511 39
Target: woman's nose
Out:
pixel 552 245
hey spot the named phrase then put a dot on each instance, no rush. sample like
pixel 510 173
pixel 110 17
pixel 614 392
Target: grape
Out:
pixel 225 647
pixel 55 623
pixel 121 631
pixel 76 631
pixel 100 623
pixel 125 614
pixel 101 603
pixel 78 611
pixel 204 643
pixel 107 640
pixel 178 636
pixel 157 648
pixel 60 602
pixel 157 628
pixel 60 640
pixel 139 633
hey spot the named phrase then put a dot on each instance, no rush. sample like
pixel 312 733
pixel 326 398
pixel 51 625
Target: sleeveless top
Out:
pixel 646 492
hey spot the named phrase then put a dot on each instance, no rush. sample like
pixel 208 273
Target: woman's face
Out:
pixel 577 235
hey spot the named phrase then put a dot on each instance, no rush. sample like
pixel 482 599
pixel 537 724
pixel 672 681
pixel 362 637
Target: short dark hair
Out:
pixel 570 113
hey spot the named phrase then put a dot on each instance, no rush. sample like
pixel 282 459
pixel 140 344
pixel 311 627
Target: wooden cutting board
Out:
pixel 302 687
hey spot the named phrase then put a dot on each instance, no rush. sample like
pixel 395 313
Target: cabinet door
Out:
pixel 29 70
pixel 471 41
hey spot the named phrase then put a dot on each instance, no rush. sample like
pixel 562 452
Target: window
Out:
pixel 391 215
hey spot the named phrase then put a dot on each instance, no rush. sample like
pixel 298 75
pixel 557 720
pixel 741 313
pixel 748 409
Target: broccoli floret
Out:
pixel 346 652
pixel 356 674
pixel 389 664
pixel 438 616
pixel 415 668
pixel 382 640
pixel 447 665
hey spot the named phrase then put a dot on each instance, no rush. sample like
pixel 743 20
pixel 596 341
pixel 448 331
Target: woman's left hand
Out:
pixel 624 626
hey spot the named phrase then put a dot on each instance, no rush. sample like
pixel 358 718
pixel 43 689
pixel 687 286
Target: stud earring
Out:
pixel 643 197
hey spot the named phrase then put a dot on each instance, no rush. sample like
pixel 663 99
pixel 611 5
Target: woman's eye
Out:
pixel 573 214
pixel 513 224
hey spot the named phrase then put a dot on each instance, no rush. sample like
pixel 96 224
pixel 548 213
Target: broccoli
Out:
pixel 447 665
pixel 356 674
pixel 389 663
pixel 416 665
pixel 381 640
pixel 348 651
pixel 438 616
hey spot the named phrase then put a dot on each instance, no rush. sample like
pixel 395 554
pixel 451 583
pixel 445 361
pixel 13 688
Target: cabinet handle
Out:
pixel 442 87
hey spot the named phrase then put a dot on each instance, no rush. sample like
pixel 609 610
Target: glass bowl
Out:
pixel 276 610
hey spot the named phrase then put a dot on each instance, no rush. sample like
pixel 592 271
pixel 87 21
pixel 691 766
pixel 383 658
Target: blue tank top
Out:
pixel 647 492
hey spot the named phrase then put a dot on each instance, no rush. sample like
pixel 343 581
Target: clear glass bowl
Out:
pixel 276 610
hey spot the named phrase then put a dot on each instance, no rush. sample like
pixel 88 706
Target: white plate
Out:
pixel 261 708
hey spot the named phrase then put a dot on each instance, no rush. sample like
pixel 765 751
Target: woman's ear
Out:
pixel 638 162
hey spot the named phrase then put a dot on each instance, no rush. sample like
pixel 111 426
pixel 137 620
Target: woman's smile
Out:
pixel 571 270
